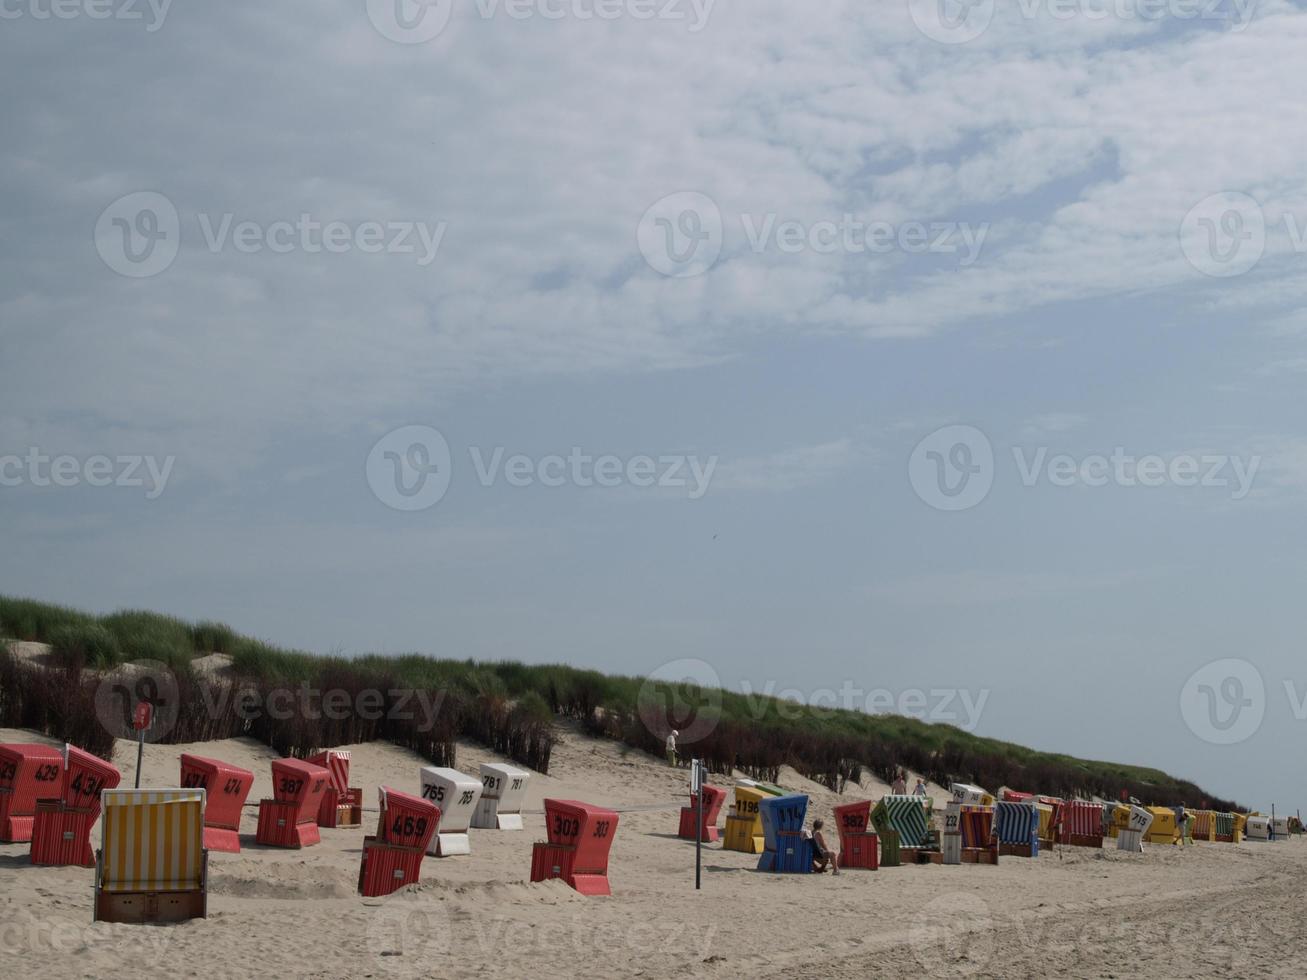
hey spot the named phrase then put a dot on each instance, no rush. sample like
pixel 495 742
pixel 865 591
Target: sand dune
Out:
pixel 1203 910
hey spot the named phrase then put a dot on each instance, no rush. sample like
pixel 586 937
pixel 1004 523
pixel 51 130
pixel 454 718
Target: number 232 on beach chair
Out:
pixel 152 865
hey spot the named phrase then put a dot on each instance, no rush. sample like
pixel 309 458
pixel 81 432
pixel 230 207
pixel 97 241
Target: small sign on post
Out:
pixel 142 718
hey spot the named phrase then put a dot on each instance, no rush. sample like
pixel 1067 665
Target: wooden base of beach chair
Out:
pixel 1018 850
pixel 979 855
pixel 341 811
pixel 151 905
pixel 1084 840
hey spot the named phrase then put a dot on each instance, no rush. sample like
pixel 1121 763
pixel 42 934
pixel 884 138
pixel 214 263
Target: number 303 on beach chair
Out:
pixel 152 865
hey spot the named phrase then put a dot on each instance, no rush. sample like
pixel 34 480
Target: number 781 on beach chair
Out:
pixel 152 865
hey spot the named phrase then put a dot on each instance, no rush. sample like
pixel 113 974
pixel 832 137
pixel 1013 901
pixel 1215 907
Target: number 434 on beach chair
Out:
pixel 152 865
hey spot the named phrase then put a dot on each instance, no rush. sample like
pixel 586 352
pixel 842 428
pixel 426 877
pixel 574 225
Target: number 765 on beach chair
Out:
pixel 152 865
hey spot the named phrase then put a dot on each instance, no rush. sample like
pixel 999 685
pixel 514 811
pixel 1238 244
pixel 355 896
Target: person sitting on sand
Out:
pixel 821 855
pixel 671 747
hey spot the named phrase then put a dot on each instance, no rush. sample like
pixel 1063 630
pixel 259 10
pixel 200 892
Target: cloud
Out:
pixel 1080 145
pixel 791 469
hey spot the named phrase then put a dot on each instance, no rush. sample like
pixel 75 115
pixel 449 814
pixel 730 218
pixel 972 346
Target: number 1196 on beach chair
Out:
pixel 152 865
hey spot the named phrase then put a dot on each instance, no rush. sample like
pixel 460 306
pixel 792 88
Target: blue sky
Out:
pixel 1116 205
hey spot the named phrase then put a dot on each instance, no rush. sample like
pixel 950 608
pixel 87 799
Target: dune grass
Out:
pixel 509 705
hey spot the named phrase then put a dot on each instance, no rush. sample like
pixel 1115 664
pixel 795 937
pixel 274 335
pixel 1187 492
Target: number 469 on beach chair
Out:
pixel 152 865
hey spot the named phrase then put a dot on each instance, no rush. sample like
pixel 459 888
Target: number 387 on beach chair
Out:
pixel 152 865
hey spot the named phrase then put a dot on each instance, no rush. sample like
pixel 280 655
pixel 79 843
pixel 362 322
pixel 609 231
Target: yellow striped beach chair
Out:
pixel 152 865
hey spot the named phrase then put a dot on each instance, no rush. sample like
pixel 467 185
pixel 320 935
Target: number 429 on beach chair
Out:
pixel 152 865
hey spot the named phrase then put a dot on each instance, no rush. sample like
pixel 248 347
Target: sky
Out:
pixel 932 355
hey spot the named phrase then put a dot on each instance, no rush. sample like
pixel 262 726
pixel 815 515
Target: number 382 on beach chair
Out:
pixel 152 865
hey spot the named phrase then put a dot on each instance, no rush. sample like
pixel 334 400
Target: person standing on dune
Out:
pixel 671 747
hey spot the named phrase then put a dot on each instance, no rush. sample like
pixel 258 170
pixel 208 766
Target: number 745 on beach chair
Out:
pixel 152 865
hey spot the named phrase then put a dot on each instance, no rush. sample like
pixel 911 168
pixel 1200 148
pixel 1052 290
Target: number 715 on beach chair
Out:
pixel 152 865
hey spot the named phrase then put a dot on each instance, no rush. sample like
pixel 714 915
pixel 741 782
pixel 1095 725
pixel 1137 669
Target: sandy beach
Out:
pixel 1207 909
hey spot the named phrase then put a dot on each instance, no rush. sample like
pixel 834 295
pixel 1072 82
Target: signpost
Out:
pixel 696 786
pixel 141 720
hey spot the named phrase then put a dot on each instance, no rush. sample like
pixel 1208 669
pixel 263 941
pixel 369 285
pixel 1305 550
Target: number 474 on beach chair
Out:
pixel 152 865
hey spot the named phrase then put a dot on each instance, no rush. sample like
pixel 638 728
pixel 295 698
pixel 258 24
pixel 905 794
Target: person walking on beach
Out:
pixel 921 787
pixel 1179 822
pixel 671 747
pixel 900 784
pixel 821 855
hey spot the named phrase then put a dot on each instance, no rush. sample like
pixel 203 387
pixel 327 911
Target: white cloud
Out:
pixel 791 469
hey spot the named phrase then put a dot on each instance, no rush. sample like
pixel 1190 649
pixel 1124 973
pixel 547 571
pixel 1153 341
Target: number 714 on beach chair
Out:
pixel 152 865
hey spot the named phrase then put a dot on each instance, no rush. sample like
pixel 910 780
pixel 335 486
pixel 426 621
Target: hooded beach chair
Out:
pixel 226 789
pixel 744 822
pixel 61 829
pixel 580 837
pixel 713 798
pixel 28 774
pixel 503 792
pixel 152 865
pixel 393 858
pixel 290 818
pixel 342 805
pixel 457 795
